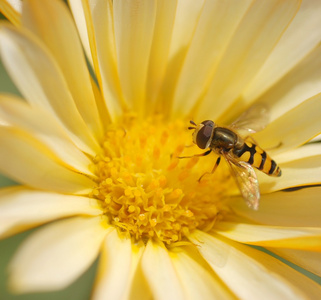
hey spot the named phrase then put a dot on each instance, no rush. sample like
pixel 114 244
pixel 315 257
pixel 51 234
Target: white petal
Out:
pixel 134 26
pixel 160 273
pixel 252 274
pixel 288 52
pixel 117 266
pixel 198 282
pixel 25 160
pixel 308 260
pixel 15 4
pixel 39 79
pixel 12 10
pixel 41 125
pixel 57 254
pixel 22 208
pixel 52 23
pixel 248 49
pixel 317 138
pixel 217 23
pixel 297 208
pixel 272 236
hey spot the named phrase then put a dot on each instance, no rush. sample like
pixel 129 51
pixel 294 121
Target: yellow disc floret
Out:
pixel 147 191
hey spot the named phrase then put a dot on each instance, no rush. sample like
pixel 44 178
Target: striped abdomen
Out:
pixel 257 158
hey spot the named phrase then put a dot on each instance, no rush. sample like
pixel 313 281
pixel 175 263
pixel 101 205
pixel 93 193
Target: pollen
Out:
pixel 147 191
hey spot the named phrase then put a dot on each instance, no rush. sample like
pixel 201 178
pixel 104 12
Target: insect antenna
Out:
pixel 190 127
pixel 193 123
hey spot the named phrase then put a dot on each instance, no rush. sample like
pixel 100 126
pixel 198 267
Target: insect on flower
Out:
pixel 240 153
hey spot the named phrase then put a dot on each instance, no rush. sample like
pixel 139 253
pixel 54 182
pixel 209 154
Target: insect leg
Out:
pixel 213 170
pixel 201 154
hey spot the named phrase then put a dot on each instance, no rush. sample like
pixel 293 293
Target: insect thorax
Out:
pixel 225 139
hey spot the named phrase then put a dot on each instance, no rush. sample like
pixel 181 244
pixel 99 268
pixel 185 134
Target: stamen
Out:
pixel 146 191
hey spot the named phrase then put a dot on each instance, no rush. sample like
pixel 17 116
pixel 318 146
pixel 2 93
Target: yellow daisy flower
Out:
pixel 107 94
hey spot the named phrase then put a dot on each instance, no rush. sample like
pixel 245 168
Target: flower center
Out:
pixel 147 191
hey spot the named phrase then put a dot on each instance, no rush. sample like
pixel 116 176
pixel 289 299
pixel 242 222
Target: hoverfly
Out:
pixel 240 153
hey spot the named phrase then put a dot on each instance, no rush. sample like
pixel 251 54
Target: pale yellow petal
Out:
pixel 247 51
pixel 297 208
pixel 100 26
pixel 311 261
pixel 301 83
pixel 160 273
pixel 25 160
pixel 305 238
pixel 39 79
pixel 117 265
pixel 42 126
pixel 186 18
pixel 252 274
pixel 216 25
pixel 78 11
pixel 299 172
pixel 57 254
pixel 102 108
pixel 293 128
pixel 140 288
pixel 22 208
pixel 303 152
pixel 53 24
pixel 289 52
pixel 198 282
pixel 15 4
pixel 134 26
pixel 12 10
pixel 164 26
pixel 317 138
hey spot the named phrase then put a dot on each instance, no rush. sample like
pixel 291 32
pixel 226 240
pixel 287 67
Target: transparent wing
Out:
pixel 246 180
pixel 252 120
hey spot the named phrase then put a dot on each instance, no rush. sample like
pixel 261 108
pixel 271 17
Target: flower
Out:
pixel 98 154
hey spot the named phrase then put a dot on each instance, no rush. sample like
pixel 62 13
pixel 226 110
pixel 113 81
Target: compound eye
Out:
pixel 204 134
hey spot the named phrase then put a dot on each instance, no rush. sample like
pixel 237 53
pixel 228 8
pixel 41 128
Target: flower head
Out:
pixel 97 137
